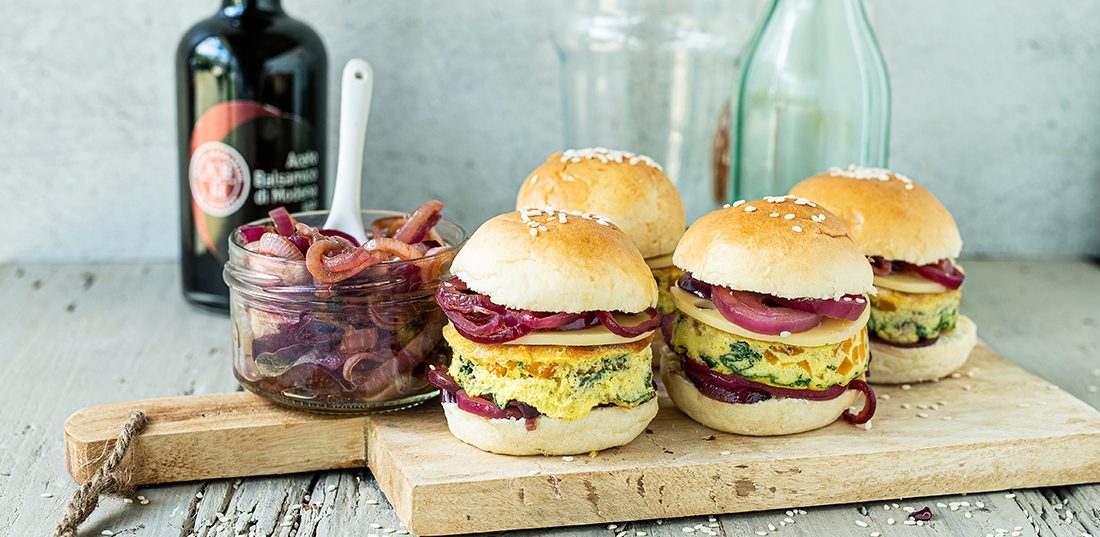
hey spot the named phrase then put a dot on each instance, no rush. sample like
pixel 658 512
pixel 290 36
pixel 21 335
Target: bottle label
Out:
pixel 247 158
pixel 219 179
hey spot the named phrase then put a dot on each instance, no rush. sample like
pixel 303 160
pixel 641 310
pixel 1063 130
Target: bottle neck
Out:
pixel 239 7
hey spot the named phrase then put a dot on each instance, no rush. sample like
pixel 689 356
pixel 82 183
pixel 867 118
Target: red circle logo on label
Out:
pixel 219 179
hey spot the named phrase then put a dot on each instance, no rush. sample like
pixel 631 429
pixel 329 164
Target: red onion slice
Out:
pixel 941 272
pixel 418 222
pixel 284 224
pixel 734 382
pixel 543 321
pixel 750 311
pixel 869 403
pixel 450 296
pixel 251 233
pixel 848 308
pixel 485 408
pixel 737 396
pixel 609 321
pixel 338 233
pixel 442 380
pixel 880 266
pixel 474 324
pixel 698 288
pixel 504 335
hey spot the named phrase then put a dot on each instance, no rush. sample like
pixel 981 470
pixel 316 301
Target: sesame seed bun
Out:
pixel 899 365
pixel 808 255
pixel 632 191
pixel 889 214
pixel 583 264
pixel 602 428
pixel 775 416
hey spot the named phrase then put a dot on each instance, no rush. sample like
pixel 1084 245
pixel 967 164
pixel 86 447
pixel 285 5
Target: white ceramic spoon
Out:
pixel 355 94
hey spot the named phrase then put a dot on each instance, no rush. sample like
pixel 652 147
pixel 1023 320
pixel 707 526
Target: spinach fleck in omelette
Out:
pixel 909 317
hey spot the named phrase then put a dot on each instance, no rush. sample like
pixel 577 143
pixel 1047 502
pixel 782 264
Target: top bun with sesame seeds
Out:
pixel 630 190
pixel 890 215
pixel 782 246
pixel 556 261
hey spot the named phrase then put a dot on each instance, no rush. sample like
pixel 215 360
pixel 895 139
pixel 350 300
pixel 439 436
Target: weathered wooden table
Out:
pixel 78 335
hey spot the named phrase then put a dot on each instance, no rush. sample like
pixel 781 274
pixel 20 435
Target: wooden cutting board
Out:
pixel 995 427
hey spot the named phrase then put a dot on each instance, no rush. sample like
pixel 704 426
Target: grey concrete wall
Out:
pixel 996 109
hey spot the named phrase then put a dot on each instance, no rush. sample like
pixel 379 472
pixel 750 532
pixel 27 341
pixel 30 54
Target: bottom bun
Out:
pixel 775 416
pixel 602 428
pixel 898 365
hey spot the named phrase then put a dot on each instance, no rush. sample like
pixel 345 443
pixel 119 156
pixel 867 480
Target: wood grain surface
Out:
pixel 77 335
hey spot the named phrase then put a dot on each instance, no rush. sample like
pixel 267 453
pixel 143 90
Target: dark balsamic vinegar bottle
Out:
pixel 251 85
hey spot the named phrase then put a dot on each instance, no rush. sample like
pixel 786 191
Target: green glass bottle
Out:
pixel 812 93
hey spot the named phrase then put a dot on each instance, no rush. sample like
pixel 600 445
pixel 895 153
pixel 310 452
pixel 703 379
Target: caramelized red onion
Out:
pixel 758 313
pixel 942 272
pixel 869 403
pixel 734 382
pixel 478 319
pixel 418 223
pixel 451 391
pixel 251 233
pixel 848 308
pixel 276 245
pixel 284 224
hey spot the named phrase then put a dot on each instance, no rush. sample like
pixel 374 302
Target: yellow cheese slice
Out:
pixel 829 331
pixel 908 282
pixel 660 261
pixel 595 335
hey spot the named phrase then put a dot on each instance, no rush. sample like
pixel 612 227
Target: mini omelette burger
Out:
pixel 630 190
pixel 911 241
pixel 770 336
pixel 551 320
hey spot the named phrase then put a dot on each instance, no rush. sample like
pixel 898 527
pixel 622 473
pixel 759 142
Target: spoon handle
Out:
pixel 356 88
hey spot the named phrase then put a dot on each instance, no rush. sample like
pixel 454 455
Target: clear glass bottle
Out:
pixel 653 77
pixel 813 92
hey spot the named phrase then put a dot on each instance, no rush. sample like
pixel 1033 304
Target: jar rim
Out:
pixel 247 280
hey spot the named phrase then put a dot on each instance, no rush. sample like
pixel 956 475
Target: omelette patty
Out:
pixel 559 381
pixel 666 277
pixel 909 317
pixel 769 362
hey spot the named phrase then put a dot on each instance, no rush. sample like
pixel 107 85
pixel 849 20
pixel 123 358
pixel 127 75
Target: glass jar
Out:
pixel 365 344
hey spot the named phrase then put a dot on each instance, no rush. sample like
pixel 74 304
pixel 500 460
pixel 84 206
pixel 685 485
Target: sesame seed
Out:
pixel 372 502
pixel 567 458
pixel 905 405
pixel 738 203
pixel 890 521
pixel 905 386
pixel 376 526
pixel 771 527
pixel 330 488
pixel 144 502
pixel 127 500
pixel 861 524
pixel 641 534
pixel 47 495
pixel 726 206
pixel 4 474
pixel 686 529
pixel 867 426
pixel 910 523
pixel 749 208
pixel 788 216
pixel 1023 405
pixel 884 396
pixel 784 333
pixel 761 533
pixel 967 504
pixel 922 415
pixel 533 472
pixel 1010 496
pixel 790 513
pixel 790 520
pixel 534 232
pixel 966 387
pixel 726 452
pixel 922 407
pixel 797 229
pixel 108 533
pixel 946 418
pixel 1094 389
pixel 875 534
pixel 941 505
pixel 955 375
pixel 773 215
pixel 967 514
